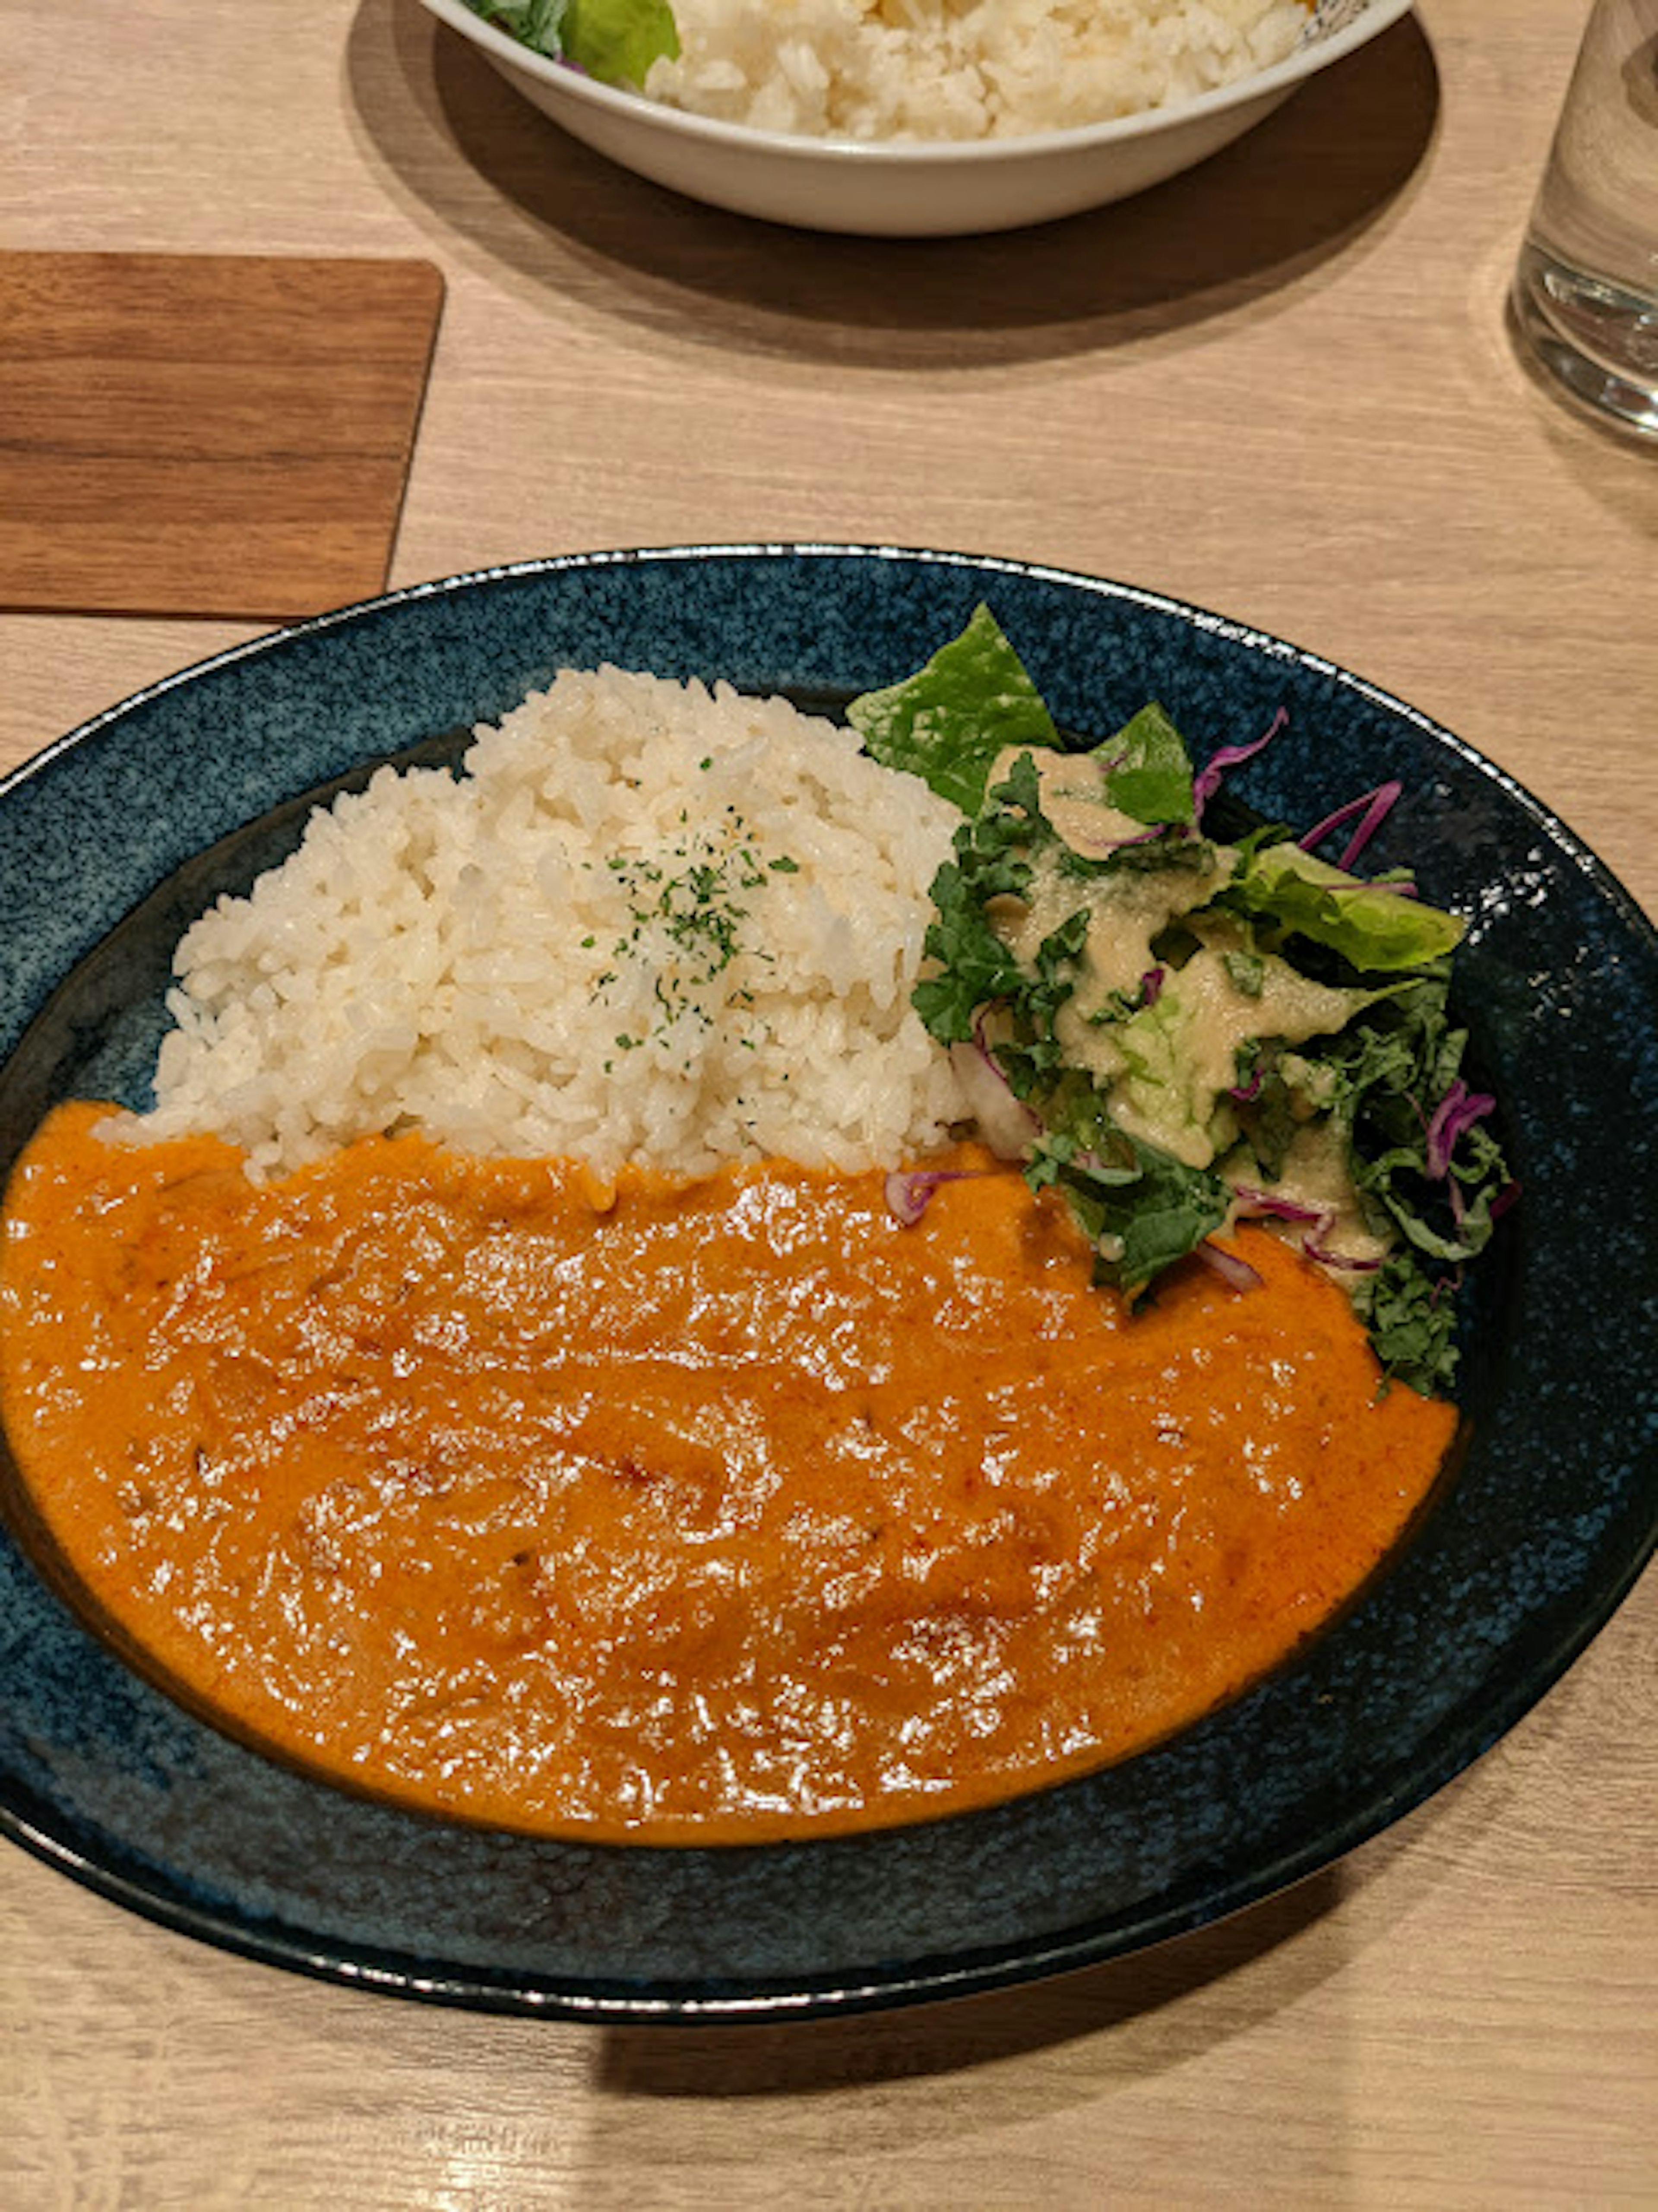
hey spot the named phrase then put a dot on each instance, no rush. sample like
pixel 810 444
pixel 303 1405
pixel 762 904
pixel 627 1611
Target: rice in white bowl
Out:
pixel 961 69
pixel 647 921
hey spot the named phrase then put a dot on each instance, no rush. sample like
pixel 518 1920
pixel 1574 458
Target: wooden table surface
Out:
pixel 1281 387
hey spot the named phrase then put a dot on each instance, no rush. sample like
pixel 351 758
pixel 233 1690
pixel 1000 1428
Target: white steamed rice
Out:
pixel 961 69
pixel 648 921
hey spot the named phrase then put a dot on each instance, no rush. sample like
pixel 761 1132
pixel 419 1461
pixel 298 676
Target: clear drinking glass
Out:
pixel 1585 298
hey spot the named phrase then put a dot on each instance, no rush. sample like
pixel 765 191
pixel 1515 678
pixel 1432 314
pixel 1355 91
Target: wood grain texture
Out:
pixel 206 434
pixel 1280 386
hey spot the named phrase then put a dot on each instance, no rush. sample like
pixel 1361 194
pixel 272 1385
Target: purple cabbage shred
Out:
pixel 1457 1111
pixel 1207 782
pixel 1372 808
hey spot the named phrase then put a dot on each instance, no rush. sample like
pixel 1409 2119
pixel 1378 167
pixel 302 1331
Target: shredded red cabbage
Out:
pixel 1228 1266
pixel 1251 1201
pixel 908 1191
pixel 1207 782
pixel 1373 807
pixel 1458 1110
pixel 1005 1123
pixel 1095 849
pixel 1151 986
pixel 1348 1261
pixel 1318 1219
pixel 1505 1198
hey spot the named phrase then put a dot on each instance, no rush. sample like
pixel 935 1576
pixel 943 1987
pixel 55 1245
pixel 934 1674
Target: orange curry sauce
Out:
pixel 682 1513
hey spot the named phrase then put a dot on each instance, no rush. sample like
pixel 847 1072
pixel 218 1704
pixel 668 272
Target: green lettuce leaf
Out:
pixel 613 41
pixel 616 41
pixel 1150 771
pixel 1410 1316
pixel 1392 1073
pixel 538 24
pixel 1375 929
pixel 972 967
pixel 1140 1208
pixel 975 968
pixel 948 722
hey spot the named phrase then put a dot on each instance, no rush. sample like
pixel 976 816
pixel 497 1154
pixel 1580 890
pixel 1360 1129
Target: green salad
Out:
pixel 1179 1033
pixel 614 40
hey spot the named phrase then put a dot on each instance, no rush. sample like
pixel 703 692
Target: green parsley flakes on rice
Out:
pixel 647 921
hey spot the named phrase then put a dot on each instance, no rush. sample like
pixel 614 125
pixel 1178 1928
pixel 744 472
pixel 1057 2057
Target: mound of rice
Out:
pixel 961 69
pixel 647 921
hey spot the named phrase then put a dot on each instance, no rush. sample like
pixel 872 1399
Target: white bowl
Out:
pixel 908 190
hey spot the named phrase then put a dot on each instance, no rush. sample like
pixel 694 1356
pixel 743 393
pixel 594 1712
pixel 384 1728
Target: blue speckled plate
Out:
pixel 1544 1526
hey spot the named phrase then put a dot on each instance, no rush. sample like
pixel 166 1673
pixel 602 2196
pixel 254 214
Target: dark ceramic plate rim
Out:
pixel 1559 1599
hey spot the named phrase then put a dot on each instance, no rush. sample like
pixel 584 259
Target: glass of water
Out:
pixel 1585 298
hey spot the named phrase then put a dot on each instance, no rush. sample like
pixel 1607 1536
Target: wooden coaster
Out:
pixel 206 434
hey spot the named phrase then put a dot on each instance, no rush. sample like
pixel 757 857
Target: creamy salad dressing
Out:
pixel 1171 1065
pixel 1315 1174
pixel 1126 909
pixel 1181 1051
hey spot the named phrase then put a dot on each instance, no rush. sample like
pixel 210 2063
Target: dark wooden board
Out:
pixel 207 434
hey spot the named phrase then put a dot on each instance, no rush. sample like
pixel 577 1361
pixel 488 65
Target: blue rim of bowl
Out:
pixel 1199 1895
pixel 1281 79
